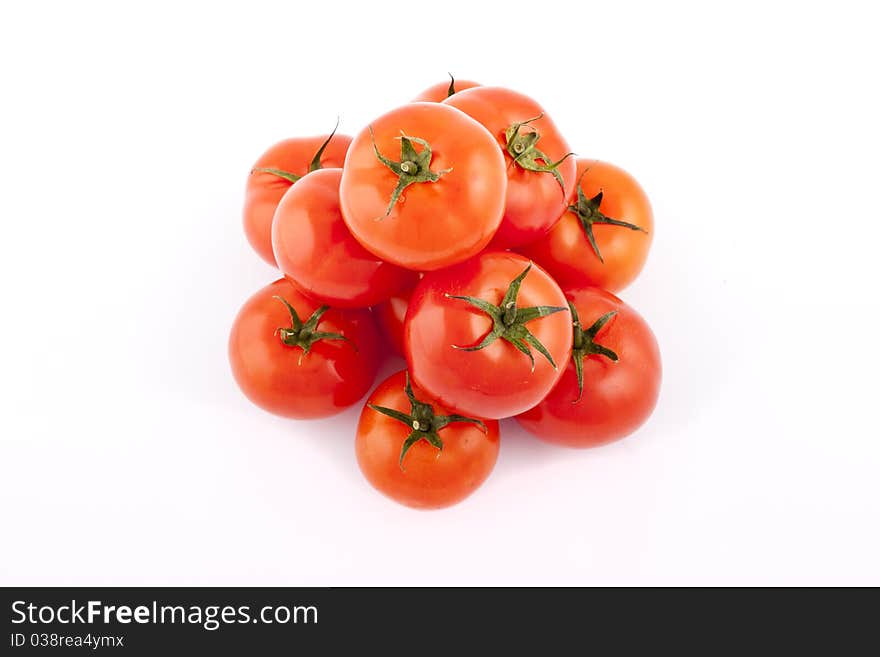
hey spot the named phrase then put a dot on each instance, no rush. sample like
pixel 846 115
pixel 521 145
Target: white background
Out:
pixel 128 454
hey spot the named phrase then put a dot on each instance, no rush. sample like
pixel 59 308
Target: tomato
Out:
pixel 488 337
pixel 621 371
pixel 305 360
pixel 439 92
pixel 390 315
pixel 314 248
pixel 604 235
pixel 412 449
pixel 429 192
pixel 541 174
pixel 273 174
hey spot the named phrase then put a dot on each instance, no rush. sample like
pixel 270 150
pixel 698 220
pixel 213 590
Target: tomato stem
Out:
pixel 508 321
pixel 588 213
pixel 305 334
pixel 423 422
pixel 314 165
pixel 451 90
pixel 413 167
pixel 584 344
pixel 522 147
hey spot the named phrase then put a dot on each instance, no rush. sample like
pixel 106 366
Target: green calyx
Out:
pixel 413 167
pixel 522 141
pixel 584 344
pixel 588 213
pixel 451 90
pixel 314 165
pixel 423 422
pixel 305 334
pixel 509 322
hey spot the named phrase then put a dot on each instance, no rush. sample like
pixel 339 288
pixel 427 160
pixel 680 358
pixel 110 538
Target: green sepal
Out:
pixel 422 421
pixel 305 334
pixel 281 173
pixel 392 413
pixel 413 167
pixel 588 213
pixel 314 165
pixel 522 147
pixel 509 322
pixel 451 90
pixel 584 344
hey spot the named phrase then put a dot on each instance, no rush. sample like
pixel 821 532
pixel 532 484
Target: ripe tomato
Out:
pixel 273 174
pixel 604 235
pixel 429 192
pixel 540 172
pixel 301 361
pixel 412 449
pixel 621 372
pixel 390 315
pixel 488 337
pixel 314 248
pixel 439 92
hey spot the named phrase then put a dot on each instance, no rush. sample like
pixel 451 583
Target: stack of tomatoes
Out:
pixel 462 228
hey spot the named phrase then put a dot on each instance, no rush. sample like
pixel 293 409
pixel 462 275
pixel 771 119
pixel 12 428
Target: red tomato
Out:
pixel 389 315
pixel 439 92
pixel 315 249
pixel 313 364
pixel 429 192
pixel 273 174
pixel 621 376
pixel 604 236
pixel 412 449
pixel 541 174
pixel 488 337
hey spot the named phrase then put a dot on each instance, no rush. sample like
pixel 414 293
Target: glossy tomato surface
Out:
pixel 432 224
pixel 286 381
pixel 618 397
pixel 427 477
pixel 496 381
pixel 390 315
pixel 264 190
pixel 535 200
pixel 566 251
pixel 439 92
pixel 314 248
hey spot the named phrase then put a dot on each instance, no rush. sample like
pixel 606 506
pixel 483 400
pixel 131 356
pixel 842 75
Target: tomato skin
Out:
pixel 390 315
pixel 314 248
pixel 430 478
pixel 439 92
pixel 535 201
pixel 617 397
pixel 433 224
pixel 566 252
pixel 496 381
pixel 331 377
pixel 264 190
